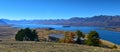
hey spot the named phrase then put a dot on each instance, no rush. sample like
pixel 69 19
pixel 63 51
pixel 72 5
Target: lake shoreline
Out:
pixel 115 29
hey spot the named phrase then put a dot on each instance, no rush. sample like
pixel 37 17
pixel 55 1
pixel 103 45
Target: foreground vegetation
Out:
pixel 31 35
pixel 78 37
pixel 26 35
pixel 49 47
pixel 10 46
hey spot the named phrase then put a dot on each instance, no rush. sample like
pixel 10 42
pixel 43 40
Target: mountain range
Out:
pixel 2 22
pixel 101 20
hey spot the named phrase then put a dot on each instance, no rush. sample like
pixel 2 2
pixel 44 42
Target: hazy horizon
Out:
pixel 56 9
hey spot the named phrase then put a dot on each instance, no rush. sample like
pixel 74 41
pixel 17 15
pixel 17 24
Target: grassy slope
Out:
pixel 8 33
pixel 48 47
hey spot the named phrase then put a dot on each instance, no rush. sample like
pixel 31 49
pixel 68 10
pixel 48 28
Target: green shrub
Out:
pixel 80 35
pixel 114 47
pixel 26 35
pixel 93 39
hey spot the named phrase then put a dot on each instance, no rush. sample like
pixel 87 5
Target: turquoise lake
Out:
pixel 111 36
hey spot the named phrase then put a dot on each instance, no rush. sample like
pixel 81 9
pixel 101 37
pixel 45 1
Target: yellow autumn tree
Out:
pixel 68 37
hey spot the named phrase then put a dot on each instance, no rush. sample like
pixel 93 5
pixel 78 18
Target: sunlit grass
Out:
pixel 49 47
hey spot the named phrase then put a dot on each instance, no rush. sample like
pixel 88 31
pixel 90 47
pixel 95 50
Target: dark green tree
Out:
pixel 80 35
pixel 93 39
pixel 35 35
pixel 19 35
pixel 26 35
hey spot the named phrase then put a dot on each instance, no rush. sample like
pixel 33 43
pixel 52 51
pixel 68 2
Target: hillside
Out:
pixel 8 44
pixel 49 47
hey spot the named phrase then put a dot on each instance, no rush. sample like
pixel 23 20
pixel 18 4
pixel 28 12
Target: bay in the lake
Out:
pixel 111 36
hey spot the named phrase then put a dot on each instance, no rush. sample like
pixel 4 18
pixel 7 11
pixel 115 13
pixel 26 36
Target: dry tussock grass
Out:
pixel 8 32
pixel 49 47
pixel 43 33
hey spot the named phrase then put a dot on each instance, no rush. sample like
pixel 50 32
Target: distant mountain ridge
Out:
pixel 101 20
pixel 2 22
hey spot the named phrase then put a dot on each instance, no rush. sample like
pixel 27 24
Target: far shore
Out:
pixel 116 29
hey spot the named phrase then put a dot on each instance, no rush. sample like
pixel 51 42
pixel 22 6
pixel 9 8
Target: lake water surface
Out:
pixel 111 36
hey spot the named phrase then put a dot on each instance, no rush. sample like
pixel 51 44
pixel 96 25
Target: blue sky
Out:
pixel 57 9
